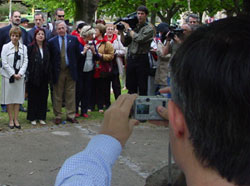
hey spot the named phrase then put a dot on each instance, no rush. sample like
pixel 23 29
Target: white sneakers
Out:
pixel 33 122
pixel 40 121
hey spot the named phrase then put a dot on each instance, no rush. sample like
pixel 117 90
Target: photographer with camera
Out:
pixel 138 41
pixel 15 61
pixel 174 38
pixel 84 83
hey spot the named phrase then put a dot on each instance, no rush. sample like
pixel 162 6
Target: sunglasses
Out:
pixel 60 15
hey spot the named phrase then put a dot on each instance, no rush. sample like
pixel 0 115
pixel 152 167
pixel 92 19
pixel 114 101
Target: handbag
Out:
pixel 106 69
pixel 103 69
pixel 153 65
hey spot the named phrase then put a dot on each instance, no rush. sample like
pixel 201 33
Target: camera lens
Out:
pixel 164 103
pixel 147 100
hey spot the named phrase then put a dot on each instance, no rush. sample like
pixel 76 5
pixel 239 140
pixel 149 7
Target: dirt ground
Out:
pixel 33 157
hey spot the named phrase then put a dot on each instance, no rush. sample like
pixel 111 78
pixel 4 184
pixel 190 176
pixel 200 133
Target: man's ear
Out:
pixel 176 119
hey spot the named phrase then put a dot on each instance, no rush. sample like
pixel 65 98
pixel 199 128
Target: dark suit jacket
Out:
pixel 31 33
pixel 73 53
pixel 5 38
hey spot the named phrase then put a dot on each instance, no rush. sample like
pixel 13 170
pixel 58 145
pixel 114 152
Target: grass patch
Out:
pixel 4 119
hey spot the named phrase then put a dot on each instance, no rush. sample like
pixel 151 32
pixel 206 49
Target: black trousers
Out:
pixel 37 101
pixel 137 74
pixel 97 96
pixel 116 86
pixel 84 86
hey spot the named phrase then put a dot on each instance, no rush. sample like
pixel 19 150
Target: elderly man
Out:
pixel 65 53
pixel 38 20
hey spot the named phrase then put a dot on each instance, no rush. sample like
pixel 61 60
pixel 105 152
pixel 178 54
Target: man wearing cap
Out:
pixel 24 23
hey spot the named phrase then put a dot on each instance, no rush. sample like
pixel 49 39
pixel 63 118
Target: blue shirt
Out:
pixel 65 42
pixel 92 166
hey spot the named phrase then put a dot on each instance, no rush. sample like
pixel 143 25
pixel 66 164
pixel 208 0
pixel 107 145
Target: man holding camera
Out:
pixel 138 42
pixel 209 114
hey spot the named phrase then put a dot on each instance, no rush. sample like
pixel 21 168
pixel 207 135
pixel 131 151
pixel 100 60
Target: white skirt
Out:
pixel 12 93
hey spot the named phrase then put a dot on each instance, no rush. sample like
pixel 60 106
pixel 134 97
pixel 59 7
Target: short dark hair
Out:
pixel 12 13
pixel 37 14
pixel 195 16
pixel 210 84
pixel 58 9
pixel 100 21
pixel 143 9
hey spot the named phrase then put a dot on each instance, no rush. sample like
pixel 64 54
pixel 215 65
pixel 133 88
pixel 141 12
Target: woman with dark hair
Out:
pixel 38 78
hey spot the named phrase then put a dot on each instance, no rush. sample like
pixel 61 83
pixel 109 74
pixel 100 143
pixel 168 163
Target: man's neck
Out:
pixel 196 175
pixel 14 25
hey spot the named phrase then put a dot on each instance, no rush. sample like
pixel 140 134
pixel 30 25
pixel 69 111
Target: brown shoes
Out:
pixel 72 120
pixel 58 121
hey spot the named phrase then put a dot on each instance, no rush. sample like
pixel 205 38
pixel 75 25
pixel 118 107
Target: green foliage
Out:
pixel 4 10
pixel 52 5
pixel 167 9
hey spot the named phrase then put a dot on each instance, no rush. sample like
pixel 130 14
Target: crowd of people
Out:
pixel 207 113
pixel 80 67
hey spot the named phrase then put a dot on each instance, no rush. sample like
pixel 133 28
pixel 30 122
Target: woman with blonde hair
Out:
pixel 86 70
pixel 14 65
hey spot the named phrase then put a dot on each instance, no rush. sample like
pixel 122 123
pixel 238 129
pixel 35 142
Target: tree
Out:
pixel 76 9
pixel 165 9
pixel 4 10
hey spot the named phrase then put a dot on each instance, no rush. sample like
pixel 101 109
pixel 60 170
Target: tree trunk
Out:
pixel 85 10
pixel 153 16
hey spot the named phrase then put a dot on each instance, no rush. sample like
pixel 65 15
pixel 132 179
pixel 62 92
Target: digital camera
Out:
pixel 144 107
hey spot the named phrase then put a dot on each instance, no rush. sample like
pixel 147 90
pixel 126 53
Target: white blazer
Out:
pixel 7 55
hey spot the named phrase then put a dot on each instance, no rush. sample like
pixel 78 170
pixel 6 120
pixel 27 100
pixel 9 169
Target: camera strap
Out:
pixel 15 60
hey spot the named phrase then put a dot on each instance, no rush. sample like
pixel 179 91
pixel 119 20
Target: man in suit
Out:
pixel 5 38
pixel 38 20
pixel 15 21
pixel 65 53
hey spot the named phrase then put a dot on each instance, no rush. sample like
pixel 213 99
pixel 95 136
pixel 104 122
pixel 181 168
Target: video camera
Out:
pixel 174 30
pixel 131 19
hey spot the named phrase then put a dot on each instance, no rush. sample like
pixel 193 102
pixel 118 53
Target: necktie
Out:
pixel 63 60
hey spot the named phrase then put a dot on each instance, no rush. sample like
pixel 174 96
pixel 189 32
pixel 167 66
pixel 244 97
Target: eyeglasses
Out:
pixel 60 15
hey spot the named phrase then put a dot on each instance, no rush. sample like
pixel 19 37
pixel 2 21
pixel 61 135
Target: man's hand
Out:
pixel 126 25
pixel 116 121
pixel 162 111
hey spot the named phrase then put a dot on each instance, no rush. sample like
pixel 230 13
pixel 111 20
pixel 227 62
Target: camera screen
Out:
pixel 142 109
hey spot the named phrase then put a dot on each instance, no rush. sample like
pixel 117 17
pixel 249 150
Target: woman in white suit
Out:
pixel 14 64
